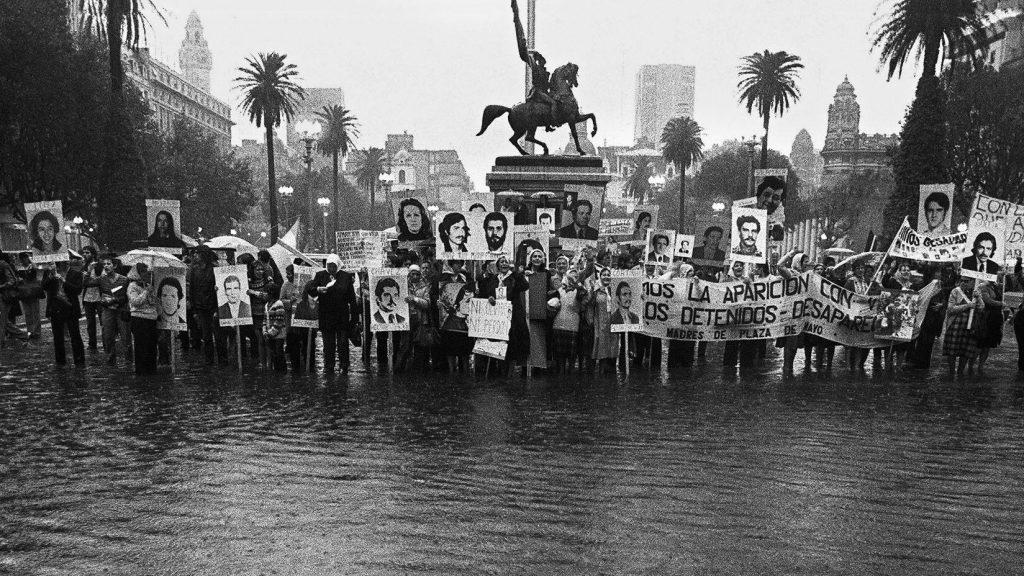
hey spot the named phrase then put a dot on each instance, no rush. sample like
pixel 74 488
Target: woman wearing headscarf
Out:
pixel 566 324
pixel 601 305
pixel 960 341
pixel 510 284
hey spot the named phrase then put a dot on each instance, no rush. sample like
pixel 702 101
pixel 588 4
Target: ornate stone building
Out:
pixel 173 94
pixel 846 149
pixel 437 175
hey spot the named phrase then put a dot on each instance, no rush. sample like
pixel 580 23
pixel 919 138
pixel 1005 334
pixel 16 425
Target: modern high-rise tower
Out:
pixel 663 92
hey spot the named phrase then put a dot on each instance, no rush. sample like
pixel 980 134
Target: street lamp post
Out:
pixel 286 193
pixel 750 144
pixel 309 129
pixel 324 203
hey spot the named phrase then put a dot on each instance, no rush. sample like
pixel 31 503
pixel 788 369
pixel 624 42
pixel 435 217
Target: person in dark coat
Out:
pixel 510 284
pixel 339 311
pixel 202 301
pixel 64 311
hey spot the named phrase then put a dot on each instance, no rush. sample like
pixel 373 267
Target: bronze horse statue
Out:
pixel 526 117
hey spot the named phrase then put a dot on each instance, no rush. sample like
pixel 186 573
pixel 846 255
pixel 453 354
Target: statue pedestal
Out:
pixel 528 174
pixel 567 177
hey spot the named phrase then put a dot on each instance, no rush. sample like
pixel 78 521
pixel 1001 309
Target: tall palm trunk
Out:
pixel 931 58
pixel 373 203
pixel 271 188
pixel 682 198
pixel 764 143
pixel 114 49
pixel 334 199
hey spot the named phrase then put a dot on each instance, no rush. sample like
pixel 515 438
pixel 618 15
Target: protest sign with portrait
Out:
pixel 546 216
pixel 626 297
pixel 305 314
pixel 530 239
pixel 659 247
pixel 389 311
pixel 472 236
pixel 708 258
pixel 476 205
pixel 46 231
pixel 163 222
pixel 934 217
pixel 684 246
pixel 750 242
pixel 580 214
pixel 896 313
pixel 233 308
pixel 170 299
pixel 984 240
pixel 987 209
pixel 412 220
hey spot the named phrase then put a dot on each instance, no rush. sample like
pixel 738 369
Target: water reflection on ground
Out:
pixel 210 472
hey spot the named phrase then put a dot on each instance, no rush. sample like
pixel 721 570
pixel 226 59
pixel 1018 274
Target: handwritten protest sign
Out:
pixel 491 348
pixel 988 209
pixel 913 245
pixel 360 248
pixel 491 322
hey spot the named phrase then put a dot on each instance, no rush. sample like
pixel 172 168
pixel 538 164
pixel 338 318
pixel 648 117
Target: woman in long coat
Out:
pixel 606 343
pixel 960 341
pixel 510 285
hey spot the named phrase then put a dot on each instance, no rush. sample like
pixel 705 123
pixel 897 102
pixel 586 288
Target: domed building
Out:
pixel 846 149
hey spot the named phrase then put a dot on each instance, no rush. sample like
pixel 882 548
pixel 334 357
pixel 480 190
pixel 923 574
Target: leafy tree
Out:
pixel 682 145
pixel 211 183
pixel 768 83
pixel 986 121
pixel 269 94
pixel 337 137
pixel 637 185
pixel 371 163
pixel 846 206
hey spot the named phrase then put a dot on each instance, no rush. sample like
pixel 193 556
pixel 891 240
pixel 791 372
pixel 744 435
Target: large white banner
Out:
pixel 988 209
pixel 691 309
pixel 913 245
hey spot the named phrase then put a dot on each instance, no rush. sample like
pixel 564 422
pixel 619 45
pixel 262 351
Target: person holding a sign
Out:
pixel 142 302
pixel 606 344
pixel 989 319
pixel 339 311
pixel 982 252
pixel 202 301
pixel 113 297
pixel 960 341
pixel 509 284
pixel 64 311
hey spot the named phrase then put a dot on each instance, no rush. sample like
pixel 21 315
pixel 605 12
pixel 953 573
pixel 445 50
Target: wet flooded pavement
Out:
pixel 210 472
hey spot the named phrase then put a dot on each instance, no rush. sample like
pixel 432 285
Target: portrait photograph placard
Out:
pixel 983 260
pixel 581 216
pixel 749 235
pixel 684 246
pixel 626 291
pixel 233 307
pixel 934 217
pixel 306 312
pixel 546 216
pixel 473 236
pixel 163 224
pixel 412 220
pixel 529 239
pixel 389 312
pixel 659 247
pixel 170 299
pixel 46 238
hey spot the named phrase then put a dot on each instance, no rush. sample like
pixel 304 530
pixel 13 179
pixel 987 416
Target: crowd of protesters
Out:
pixel 572 332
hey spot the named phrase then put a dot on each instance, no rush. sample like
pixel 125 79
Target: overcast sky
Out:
pixel 429 68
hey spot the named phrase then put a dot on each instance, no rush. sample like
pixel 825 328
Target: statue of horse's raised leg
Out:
pixel 531 136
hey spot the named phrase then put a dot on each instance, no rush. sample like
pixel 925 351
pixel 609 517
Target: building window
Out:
pixel 401 176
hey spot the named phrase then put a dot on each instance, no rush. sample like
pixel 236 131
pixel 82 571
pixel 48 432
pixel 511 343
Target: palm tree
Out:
pixel 637 185
pixel 682 145
pixel 768 82
pixel 119 22
pixel 269 93
pixel 372 163
pixel 931 27
pixel 338 136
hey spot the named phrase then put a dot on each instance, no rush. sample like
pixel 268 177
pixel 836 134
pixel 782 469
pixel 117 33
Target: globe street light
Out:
pixel 286 193
pixel 324 203
pixel 718 206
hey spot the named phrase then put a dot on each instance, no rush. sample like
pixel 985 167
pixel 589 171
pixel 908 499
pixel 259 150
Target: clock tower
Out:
pixel 194 56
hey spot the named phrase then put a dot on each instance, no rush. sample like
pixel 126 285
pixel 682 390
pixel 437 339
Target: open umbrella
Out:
pixel 845 268
pixel 152 258
pixel 235 243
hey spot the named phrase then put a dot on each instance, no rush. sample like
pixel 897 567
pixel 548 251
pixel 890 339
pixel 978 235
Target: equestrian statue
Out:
pixel 549 104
